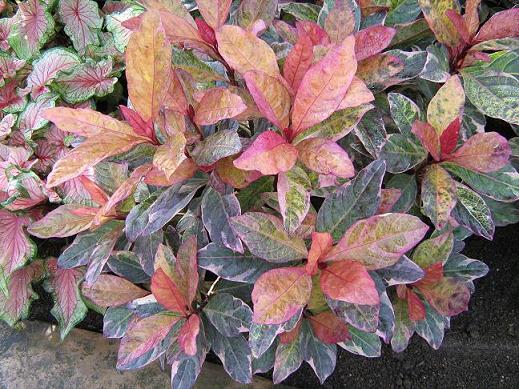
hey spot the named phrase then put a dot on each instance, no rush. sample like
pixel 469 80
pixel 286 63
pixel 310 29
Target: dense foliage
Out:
pixel 278 179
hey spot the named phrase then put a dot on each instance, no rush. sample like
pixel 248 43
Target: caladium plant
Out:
pixel 263 180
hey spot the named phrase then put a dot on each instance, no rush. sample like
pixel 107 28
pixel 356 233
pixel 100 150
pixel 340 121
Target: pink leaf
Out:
pixel 459 23
pixel 218 104
pixel 144 335
pixel 324 85
pixel 110 291
pixel 429 138
pixel 372 40
pixel 357 94
pixel 501 25
pixel 349 281
pixel 214 12
pixel 16 248
pixel 415 305
pixel 328 328
pixel 167 293
pixel 64 283
pixel 188 334
pixel 325 157
pixel 269 153
pixel 278 294
pixel 64 221
pixel 317 35
pixel 139 125
pixel 271 97
pixel 380 240
pixel 322 243
pixel 483 152
pixel 298 61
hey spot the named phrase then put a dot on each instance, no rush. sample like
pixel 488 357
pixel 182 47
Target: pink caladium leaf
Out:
pixel 379 241
pixel 214 12
pixel 66 220
pixel 188 334
pixel 279 294
pixel 349 281
pixel 16 247
pixel 84 81
pixel 69 308
pixel 48 66
pixel 9 65
pixel 111 291
pixel 328 328
pixel 15 306
pixel 270 153
pixel 144 335
pixel 483 152
pixel 32 27
pixel 324 85
pixel 271 96
pixel 82 22
pixel 298 61
pixel 325 157
pixel 372 40
pixel 501 25
pixel 10 97
pixel 218 104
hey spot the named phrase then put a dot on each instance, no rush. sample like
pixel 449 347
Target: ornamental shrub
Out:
pixel 264 180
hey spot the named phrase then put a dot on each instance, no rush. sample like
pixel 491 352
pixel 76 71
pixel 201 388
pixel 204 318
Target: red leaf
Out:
pixel 433 274
pixel 388 198
pixel 188 333
pixel 206 31
pixel 349 281
pixel 483 152
pixel 501 25
pixel 269 153
pixel 322 242
pixel 167 293
pixel 449 137
pixel 139 125
pixel 448 296
pixel 415 305
pixel 328 328
pixel 278 294
pixel 290 336
pixel 459 23
pixel 15 247
pixel 298 61
pixel 429 138
pixel 372 40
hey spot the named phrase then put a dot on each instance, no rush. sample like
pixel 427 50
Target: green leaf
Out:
pixel 437 68
pixel 363 317
pixel 229 315
pixel 493 92
pixel 472 212
pixel 215 147
pixel 249 196
pixel 294 197
pixel 432 327
pixel 116 321
pixel 402 152
pixel 434 250
pixel 338 125
pixel 302 11
pixel 358 200
pixel 408 187
pixel 322 357
pixel 372 132
pixel 438 195
pixel 198 69
pixel 266 238
pixel 502 185
pixel 127 264
pixel 404 111
pixel 402 12
pixel 404 327
pixel 463 268
pixel 362 343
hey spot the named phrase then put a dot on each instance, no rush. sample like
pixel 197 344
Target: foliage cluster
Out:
pixel 264 180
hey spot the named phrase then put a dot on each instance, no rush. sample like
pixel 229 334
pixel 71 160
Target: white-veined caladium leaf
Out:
pixel 82 22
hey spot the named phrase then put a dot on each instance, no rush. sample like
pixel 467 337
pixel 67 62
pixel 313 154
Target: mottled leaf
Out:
pixel 438 195
pixel 402 152
pixel 219 145
pixel 228 314
pixel 218 104
pixel 472 212
pixel 294 197
pixel 110 291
